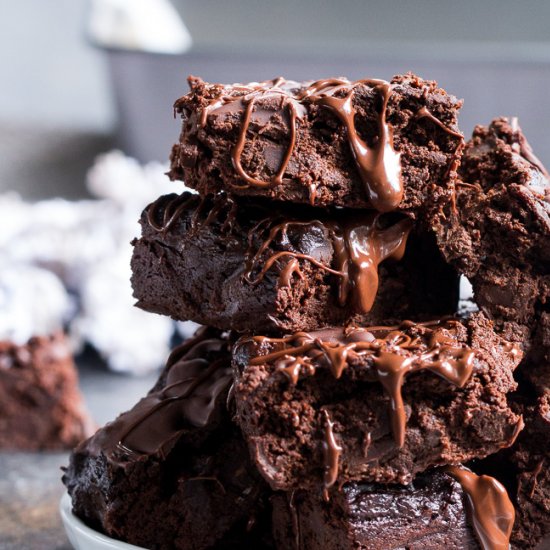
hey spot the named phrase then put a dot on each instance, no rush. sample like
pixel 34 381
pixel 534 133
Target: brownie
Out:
pixel 368 143
pixel 41 406
pixel 431 513
pixel 264 267
pixel 338 405
pixel 524 469
pixel 498 232
pixel 535 369
pixel 173 472
pixel 531 458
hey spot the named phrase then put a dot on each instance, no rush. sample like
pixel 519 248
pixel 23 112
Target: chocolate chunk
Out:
pixel 40 404
pixel 263 267
pixel 374 404
pixel 369 143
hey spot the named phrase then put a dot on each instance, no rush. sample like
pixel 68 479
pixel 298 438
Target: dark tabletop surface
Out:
pixel 30 486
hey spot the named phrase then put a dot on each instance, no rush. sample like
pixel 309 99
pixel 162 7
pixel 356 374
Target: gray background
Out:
pixel 62 101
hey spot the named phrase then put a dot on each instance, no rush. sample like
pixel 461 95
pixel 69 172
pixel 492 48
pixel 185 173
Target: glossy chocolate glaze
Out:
pixel 378 163
pixel 332 452
pixel 360 241
pixel 194 379
pixel 360 245
pixel 492 512
pixel 395 353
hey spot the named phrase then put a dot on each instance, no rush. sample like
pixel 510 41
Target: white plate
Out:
pixel 84 538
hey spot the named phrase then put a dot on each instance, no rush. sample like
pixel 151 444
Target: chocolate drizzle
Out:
pixel 491 510
pixel 395 351
pixel 248 97
pixel 331 453
pixel 424 112
pixel 294 514
pixel 163 213
pixel 359 246
pixel 197 374
pixel 378 164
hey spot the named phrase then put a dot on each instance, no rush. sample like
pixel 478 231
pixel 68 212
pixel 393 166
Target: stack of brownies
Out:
pixel 334 396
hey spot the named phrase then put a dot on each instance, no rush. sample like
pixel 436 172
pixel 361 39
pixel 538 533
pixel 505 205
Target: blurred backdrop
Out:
pixel 64 98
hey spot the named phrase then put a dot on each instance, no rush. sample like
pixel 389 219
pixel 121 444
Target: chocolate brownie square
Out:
pixel 524 469
pixel 41 406
pixel 377 404
pixel 173 472
pixel 531 458
pixel 435 511
pixel 265 267
pixel 497 232
pixel 368 143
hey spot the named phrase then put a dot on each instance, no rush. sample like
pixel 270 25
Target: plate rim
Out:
pixel 86 535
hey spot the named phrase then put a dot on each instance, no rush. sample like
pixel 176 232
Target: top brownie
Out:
pixel 369 143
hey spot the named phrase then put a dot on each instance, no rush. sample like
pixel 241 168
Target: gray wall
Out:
pixel 60 98
pixel 342 25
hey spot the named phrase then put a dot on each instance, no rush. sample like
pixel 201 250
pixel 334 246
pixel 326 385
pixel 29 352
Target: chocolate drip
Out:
pixel 423 112
pixel 236 153
pixel 395 355
pixel 294 514
pixel 163 213
pixel 378 165
pixel 331 454
pixel 248 97
pixel 166 211
pixel 359 247
pixel 492 511
pixel 188 399
pixel 190 389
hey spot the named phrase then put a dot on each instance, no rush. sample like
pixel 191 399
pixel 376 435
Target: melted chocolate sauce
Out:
pixel 163 213
pixel 359 247
pixel 331 453
pixel 395 354
pixel 378 164
pixel 492 512
pixel 360 243
pixel 424 112
pixel 294 515
pixel 191 387
pixel 166 211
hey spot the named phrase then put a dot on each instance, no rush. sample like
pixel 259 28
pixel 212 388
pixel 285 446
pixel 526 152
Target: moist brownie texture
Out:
pixel 431 513
pixel 368 143
pixel 377 404
pixel 531 459
pixel 40 404
pixel 173 472
pixel 524 468
pixel 498 231
pixel 260 267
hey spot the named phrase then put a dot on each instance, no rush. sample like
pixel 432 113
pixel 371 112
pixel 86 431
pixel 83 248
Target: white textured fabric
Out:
pixel 85 246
